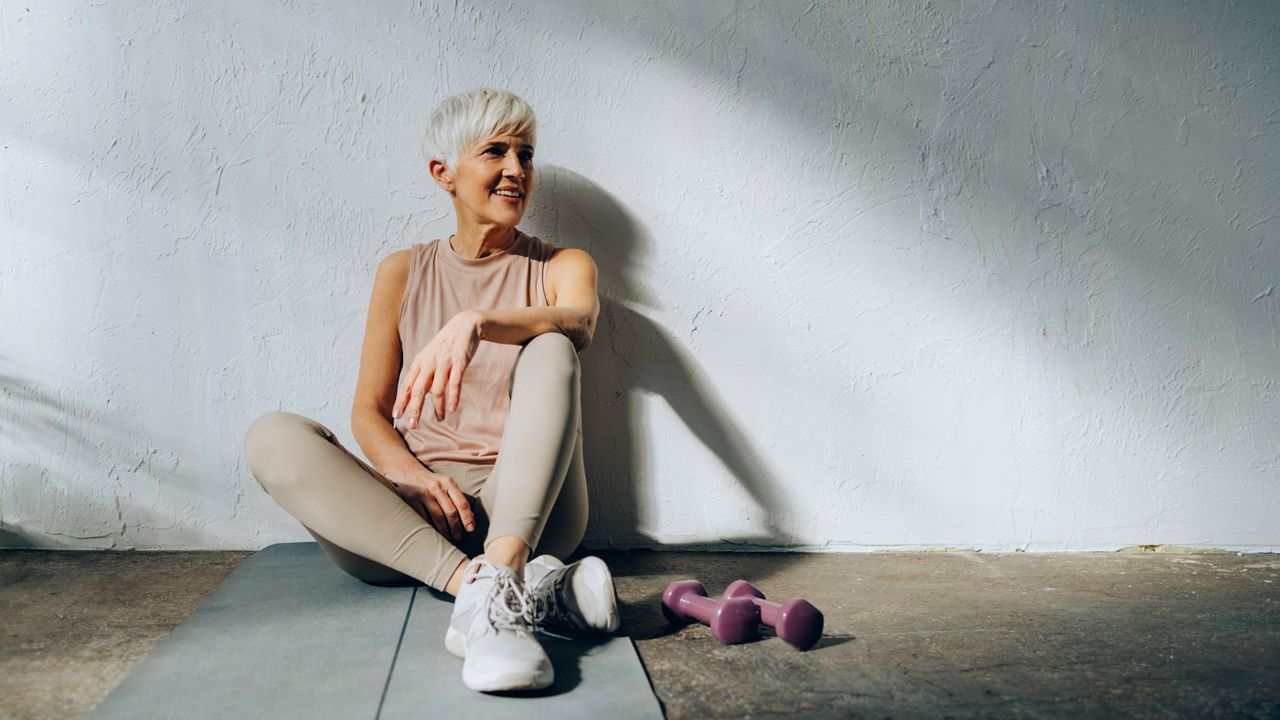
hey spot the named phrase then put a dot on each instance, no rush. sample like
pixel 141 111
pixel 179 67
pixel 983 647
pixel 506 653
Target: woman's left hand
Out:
pixel 438 367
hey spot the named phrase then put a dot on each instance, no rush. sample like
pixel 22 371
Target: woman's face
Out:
pixel 489 173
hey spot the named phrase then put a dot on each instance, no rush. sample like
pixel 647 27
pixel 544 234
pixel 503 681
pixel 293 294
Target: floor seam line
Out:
pixel 396 655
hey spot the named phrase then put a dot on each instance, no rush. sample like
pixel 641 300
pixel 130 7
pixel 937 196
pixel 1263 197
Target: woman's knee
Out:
pixel 269 439
pixel 552 351
pixel 553 342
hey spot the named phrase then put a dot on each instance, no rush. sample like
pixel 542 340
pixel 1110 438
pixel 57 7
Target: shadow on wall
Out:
pixel 631 353
pixel 51 440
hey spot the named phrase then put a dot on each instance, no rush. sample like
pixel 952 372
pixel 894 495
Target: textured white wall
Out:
pixel 997 275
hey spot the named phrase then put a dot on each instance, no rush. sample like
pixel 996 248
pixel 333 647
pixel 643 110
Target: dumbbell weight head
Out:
pixel 733 620
pixel 742 588
pixel 796 621
pixel 799 623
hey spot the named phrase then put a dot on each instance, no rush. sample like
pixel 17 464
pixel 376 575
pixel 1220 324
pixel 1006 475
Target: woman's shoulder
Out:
pixel 396 266
pixel 396 263
pixel 400 261
pixel 539 249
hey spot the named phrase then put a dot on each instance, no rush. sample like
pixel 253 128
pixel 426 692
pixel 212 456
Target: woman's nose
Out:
pixel 512 165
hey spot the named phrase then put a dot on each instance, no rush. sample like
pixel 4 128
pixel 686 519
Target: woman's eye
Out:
pixel 527 157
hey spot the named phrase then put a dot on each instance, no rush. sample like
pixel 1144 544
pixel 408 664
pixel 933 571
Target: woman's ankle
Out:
pixel 509 551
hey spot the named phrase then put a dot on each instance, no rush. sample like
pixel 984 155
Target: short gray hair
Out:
pixel 462 120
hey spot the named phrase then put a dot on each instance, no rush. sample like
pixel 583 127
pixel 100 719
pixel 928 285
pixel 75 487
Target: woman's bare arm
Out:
pixel 380 371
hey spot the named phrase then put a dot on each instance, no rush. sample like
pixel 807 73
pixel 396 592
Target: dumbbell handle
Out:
pixel 732 620
pixel 769 611
pixel 699 607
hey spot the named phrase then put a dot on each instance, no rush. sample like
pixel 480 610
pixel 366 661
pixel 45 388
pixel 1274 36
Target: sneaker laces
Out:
pixel 543 604
pixel 505 604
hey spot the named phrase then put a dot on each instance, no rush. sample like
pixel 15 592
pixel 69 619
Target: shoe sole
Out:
pixel 511 681
pixel 596 582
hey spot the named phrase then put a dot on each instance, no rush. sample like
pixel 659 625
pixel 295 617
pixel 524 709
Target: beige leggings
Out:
pixel 537 490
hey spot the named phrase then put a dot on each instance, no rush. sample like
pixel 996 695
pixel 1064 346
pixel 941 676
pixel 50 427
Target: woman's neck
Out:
pixel 481 241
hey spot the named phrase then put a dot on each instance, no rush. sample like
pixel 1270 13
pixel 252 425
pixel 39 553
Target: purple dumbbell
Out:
pixel 796 621
pixel 732 619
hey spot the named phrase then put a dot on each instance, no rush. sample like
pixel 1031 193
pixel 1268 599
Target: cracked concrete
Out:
pixel 907 634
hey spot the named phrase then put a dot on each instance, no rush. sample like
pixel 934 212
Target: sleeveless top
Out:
pixel 441 284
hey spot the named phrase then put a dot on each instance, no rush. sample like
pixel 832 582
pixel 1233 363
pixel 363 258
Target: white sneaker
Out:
pixel 488 630
pixel 578 596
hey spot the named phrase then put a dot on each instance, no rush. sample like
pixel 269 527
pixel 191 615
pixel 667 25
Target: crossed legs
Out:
pixel 535 497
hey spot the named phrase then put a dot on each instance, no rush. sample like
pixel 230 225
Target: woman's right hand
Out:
pixel 437 499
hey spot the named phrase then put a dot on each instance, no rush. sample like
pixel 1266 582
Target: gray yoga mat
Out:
pixel 288 634
pixel 595 677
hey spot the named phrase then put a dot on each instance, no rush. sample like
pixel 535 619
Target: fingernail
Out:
pixel 413 423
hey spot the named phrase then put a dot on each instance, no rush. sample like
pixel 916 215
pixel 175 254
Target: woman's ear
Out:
pixel 441 174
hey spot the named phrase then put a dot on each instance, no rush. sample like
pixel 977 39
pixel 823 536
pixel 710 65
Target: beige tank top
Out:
pixel 441 284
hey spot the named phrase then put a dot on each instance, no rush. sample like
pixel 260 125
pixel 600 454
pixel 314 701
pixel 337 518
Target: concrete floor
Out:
pixel 908 634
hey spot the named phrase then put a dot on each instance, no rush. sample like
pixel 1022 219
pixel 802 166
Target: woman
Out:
pixel 471 345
